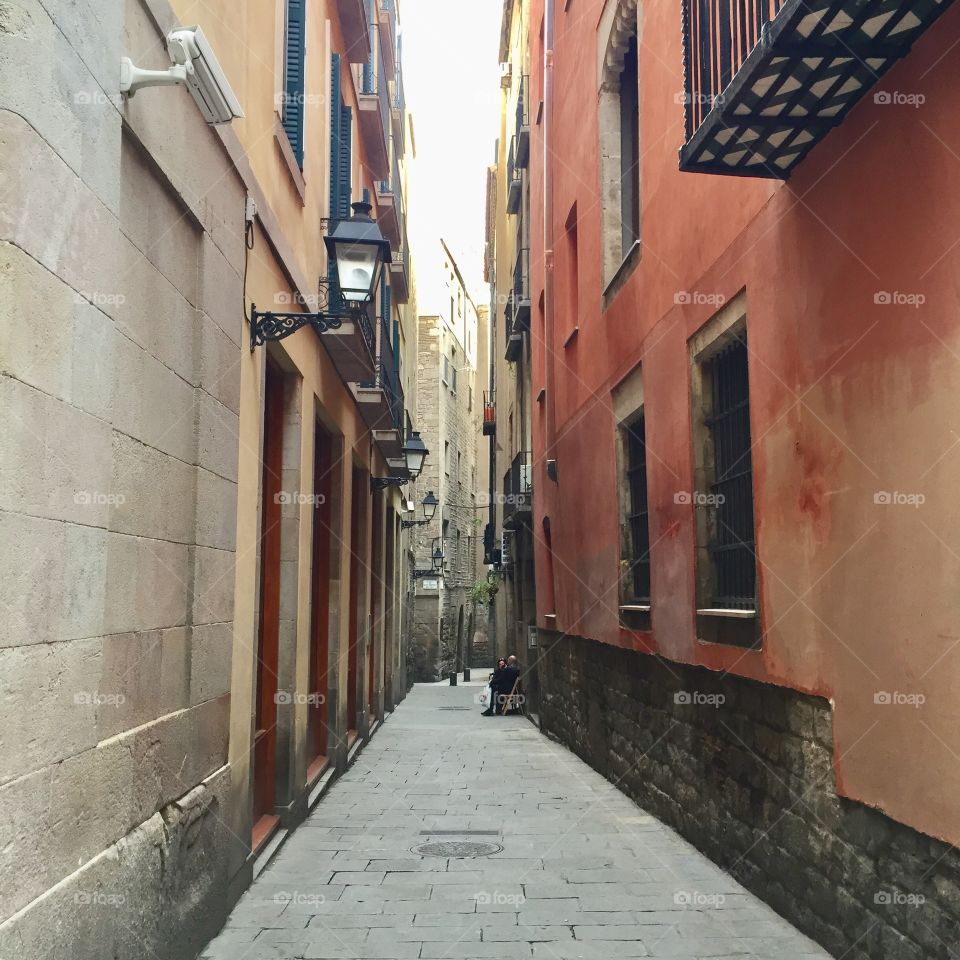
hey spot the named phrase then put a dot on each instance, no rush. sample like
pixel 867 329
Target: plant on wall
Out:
pixel 483 592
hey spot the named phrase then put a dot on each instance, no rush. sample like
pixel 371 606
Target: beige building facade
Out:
pixel 204 586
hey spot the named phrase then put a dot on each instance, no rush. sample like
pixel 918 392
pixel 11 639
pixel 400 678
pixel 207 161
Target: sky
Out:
pixel 452 81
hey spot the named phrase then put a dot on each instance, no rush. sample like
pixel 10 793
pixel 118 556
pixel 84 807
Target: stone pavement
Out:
pixel 583 872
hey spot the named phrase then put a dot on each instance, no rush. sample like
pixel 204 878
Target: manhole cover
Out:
pixel 460 849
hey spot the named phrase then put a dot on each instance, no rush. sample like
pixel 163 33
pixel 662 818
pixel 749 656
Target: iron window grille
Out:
pixel 639 515
pixel 732 541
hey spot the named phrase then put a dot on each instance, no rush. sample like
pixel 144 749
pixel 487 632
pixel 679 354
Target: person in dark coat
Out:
pixel 511 685
pixel 496 687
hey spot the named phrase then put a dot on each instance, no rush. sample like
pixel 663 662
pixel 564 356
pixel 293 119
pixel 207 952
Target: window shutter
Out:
pixel 346 161
pixel 293 104
pixel 335 100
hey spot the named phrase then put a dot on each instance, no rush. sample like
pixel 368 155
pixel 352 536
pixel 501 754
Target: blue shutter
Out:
pixel 293 105
pixel 336 98
pixel 346 161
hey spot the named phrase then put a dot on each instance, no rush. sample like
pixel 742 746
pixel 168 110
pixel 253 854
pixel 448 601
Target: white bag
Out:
pixel 485 696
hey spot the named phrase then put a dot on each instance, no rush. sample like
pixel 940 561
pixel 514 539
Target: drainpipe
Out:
pixel 548 241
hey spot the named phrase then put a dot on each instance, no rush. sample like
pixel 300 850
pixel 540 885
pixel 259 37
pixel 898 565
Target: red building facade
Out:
pixel 745 438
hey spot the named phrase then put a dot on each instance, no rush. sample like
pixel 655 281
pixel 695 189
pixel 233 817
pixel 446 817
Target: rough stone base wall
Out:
pixel 744 771
pixel 159 892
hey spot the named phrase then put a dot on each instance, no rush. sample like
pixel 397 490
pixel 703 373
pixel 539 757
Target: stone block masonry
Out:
pixel 744 771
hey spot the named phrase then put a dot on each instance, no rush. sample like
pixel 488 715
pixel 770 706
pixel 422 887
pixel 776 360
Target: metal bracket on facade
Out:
pixel 381 483
pixel 277 326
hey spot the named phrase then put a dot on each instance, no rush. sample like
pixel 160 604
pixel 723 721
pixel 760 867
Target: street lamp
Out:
pixel 438 559
pixel 415 451
pixel 429 505
pixel 358 249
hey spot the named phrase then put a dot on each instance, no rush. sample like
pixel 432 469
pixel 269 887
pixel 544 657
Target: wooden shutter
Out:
pixel 336 104
pixel 293 104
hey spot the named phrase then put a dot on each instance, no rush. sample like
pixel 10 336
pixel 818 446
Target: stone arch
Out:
pixel 620 21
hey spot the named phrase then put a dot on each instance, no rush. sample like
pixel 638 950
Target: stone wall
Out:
pixel 121 326
pixel 744 771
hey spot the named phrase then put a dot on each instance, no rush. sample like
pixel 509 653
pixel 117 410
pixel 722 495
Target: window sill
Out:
pixel 622 274
pixel 724 612
pixel 286 151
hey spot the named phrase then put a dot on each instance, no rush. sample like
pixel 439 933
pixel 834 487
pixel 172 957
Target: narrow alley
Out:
pixel 579 871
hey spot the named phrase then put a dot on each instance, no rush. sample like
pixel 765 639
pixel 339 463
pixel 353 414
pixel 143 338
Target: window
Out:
pixel 445 375
pixel 446 457
pixel 638 516
pixel 294 77
pixel 572 277
pixel 619 124
pixel 341 150
pixel 723 494
pixel 459 465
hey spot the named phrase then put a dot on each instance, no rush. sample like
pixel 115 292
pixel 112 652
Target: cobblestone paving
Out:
pixel 583 872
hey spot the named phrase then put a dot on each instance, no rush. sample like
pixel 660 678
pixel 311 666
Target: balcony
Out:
pixel 489 416
pixel 398 105
pixel 390 202
pixel 521 290
pixel 764 83
pixel 518 492
pixel 380 400
pixel 522 130
pixel 514 180
pixel 374 109
pixel 514 337
pixel 388 33
pixel 352 345
pixel 355 29
pixel 400 271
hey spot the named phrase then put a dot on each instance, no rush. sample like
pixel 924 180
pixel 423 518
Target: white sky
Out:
pixel 452 82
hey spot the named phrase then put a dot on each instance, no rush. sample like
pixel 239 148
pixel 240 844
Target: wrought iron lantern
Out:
pixel 359 251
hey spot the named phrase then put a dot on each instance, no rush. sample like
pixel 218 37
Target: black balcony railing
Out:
pixel 522 131
pixel 388 375
pixel 514 179
pixel 517 490
pixel 765 81
pixel 521 290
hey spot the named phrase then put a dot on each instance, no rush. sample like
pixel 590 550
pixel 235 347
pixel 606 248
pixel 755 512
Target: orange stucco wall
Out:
pixel 849 398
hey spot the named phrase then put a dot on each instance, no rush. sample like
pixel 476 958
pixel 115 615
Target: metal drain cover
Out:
pixel 459 849
pixel 454 708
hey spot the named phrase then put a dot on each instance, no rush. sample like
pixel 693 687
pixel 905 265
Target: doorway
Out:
pixel 358 502
pixel 268 630
pixel 318 732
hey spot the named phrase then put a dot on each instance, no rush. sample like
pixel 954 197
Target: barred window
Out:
pixel 732 542
pixel 638 516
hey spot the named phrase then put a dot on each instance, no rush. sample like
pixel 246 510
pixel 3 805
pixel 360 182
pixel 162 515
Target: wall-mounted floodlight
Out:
pixel 195 65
